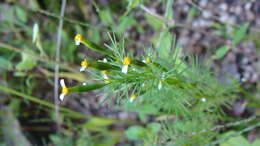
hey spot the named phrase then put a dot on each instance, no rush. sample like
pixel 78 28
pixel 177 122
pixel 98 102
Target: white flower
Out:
pixel 65 90
pixel 203 99
pixel 78 39
pixel 126 62
pixel 105 60
pixel 104 74
pixel 133 97
pixel 84 65
pixel 125 69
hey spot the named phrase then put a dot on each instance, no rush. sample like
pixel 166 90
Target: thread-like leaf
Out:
pixel 104 66
pixel 86 88
pixel 95 47
pixel 138 63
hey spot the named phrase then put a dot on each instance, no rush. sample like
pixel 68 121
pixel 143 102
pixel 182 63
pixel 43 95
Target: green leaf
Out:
pixel 28 62
pixel 135 132
pixel 234 141
pixel 256 142
pixel 164 44
pixel 240 34
pixel 91 45
pixel 5 64
pixel 192 13
pixel 99 121
pixel 125 22
pixel 21 14
pixel 95 35
pixel 221 52
pixel 106 17
pixel 169 10
pixel 154 127
pixel 133 4
pixel 86 88
pixel 154 21
pixel 138 63
pixel 103 66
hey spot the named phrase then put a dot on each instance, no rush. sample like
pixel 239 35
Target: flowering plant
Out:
pixel 183 94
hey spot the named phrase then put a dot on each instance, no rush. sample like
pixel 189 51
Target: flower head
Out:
pixel 133 97
pixel 65 89
pixel 105 60
pixel 203 99
pixel 126 62
pixel 147 60
pixel 104 74
pixel 84 65
pixel 78 39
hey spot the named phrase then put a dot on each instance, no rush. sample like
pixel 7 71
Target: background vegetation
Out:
pixel 222 34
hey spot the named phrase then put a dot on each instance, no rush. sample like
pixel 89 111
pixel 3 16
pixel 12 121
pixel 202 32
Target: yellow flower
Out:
pixel 84 65
pixel 126 62
pixel 133 97
pixel 147 60
pixel 104 73
pixel 64 91
pixel 78 39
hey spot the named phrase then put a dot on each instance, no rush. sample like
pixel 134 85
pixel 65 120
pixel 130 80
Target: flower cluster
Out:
pixel 65 89
pixel 104 66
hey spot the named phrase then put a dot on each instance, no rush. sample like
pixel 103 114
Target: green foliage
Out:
pixel 135 132
pixel 240 34
pixel 106 17
pixel 187 92
pixel 164 44
pixel 154 22
pixel 133 3
pixel 221 52
pixel 139 132
pixel 5 64
pixel 95 47
pixel 237 141
pixel 28 62
pixel 85 88
pixel 21 14
pixel 125 22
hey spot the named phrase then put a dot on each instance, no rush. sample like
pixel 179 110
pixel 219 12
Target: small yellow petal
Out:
pixel 104 71
pixel 65 90
pixel 78 37
pixel 133 96
pixel 85 64
pixel 148 60
pixel 127 61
